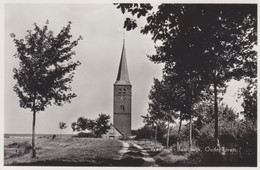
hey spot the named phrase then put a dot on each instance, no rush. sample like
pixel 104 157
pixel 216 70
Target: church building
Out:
pixel 122 98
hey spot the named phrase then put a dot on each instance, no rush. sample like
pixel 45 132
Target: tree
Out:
pixel 98 126
pixel 249 95
pixel 144 132
pixel 186 89
pixel 101 124
pixel 62 126
pixel 74 127
pixel 84 124
pixel 161 106
pixel 175 96
pixel 45 70
pixel 214 41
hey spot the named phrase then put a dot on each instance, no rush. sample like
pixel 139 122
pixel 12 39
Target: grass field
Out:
pixel 61 151
pixel 73 151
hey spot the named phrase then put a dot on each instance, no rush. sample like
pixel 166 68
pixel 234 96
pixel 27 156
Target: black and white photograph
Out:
pixel 130 84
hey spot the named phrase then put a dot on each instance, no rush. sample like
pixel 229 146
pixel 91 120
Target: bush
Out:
pixel 86 135
pixel 206 137
pixel 145 132
pixel 228 140
pixel 247 137
pixel 172 139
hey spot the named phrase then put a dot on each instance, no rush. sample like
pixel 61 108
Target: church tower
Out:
pixel 122 98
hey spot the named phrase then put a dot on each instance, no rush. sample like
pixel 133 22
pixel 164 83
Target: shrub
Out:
pixel 86 135
pixel 172 139
pixel 145 132
pixel 247 137
pixel 206 137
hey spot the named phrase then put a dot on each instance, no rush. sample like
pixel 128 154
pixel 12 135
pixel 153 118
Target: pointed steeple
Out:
pixel 122 76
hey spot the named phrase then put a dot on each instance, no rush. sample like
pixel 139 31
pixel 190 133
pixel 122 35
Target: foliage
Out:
pixel 204 44
pixel 83 124
pixel 98 126
pixel 62 126
pixel 133 132
pixel 174 96
pixel 246 135
pixel 45 70
pixel 234 133
pixel 145 132
pixel 249 94
pixel 135 9
pixel 161 102
pixel 206 137
pixel 204 125
pixel 172 139
pixel 101 124
pixel 74 126
pixel 161 107
pixel 86 135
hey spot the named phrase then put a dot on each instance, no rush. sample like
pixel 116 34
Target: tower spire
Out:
pixel 122 76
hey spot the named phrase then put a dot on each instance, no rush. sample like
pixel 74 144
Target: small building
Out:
pixel 112 133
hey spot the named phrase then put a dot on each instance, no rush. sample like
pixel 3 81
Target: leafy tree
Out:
pixel 161 106
pixel 98 126
pixel 204 125
pixel 135 9
pixel 214 41
pixel 81 124
pixel 186 90
pixel 176 96
pixel 74 127
pixel 45 70
pixel 84 124
pixel 156 124
pixel 249 94
pixel 101 124
pixel 62 126
pixel 151 120
pixel 144 132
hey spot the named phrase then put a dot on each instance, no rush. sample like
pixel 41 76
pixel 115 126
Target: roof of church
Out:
pixel 122 76
pixel 117 129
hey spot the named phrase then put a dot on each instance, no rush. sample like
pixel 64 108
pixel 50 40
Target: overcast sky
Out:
pixel 99 52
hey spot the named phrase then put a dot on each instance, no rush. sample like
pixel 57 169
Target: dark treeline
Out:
pixel 202 47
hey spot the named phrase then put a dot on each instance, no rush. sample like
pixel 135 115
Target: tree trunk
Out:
pixel 190 128
pixel 155 135
pixel 33 131
pixel 179 132
pixel 168 134
pixel 216 113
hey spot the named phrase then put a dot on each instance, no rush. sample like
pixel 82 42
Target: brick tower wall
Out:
pixel 122 109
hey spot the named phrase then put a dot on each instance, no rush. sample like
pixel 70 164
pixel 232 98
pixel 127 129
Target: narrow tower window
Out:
pixel 120 90
pixel 122 108
pixel 124 91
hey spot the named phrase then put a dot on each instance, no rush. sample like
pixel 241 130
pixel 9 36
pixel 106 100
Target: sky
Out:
pixel 101 26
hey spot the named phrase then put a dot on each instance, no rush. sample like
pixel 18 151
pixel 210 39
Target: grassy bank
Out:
pixel 60 151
